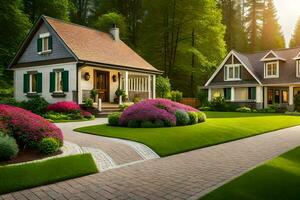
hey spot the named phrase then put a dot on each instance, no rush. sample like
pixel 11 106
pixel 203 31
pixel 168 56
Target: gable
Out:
pixel 30 53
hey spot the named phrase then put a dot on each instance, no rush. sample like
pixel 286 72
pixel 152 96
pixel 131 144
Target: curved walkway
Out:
pixel 188 175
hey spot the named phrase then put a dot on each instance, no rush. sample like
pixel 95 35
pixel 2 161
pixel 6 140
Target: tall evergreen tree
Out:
pixel 81 10
pixel 254 22
pixel 272 37
pixel 295 40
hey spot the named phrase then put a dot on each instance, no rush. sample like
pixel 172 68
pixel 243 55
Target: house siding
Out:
pixel 58 49
pixel 45 70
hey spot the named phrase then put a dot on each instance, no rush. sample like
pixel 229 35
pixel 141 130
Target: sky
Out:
pixel 288 12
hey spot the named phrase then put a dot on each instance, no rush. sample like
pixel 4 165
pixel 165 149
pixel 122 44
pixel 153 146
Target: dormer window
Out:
pixel 232 72
pixel 44 43
pixel 272 69
pixel 298 68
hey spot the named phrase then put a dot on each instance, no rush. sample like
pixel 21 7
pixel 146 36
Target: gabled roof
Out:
pixel 93 46
pixel 274 57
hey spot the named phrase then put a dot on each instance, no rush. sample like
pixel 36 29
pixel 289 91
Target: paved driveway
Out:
pixel 188 175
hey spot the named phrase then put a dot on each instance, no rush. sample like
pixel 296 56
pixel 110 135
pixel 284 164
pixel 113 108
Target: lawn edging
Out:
pixel 32 174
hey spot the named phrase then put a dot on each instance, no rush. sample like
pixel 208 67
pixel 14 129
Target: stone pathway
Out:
pixel 188 175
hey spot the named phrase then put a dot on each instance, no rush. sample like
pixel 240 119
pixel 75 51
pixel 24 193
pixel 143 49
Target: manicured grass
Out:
pixel 278 179
pixel 22 176
pixel 220 127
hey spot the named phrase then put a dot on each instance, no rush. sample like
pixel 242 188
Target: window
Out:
pixel 251 93
pixel 270 96
pixel 284 96
pixel 32 82
pixel 232 72
pixel 58 82
pixel 272 70
pixel 227 93
pixel 298 68
pixel 44 43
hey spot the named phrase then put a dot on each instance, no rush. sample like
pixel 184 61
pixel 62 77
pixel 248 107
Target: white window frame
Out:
pixel 58 78
pixel 298 68
pixel 45 37
pixel 266 70
pixel 233 67
pixel 30 82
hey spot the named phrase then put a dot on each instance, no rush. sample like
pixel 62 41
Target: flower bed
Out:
pixel 63 107
pixel 156 113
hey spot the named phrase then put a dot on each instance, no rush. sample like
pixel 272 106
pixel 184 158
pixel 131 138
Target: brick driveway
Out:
pixel 184 176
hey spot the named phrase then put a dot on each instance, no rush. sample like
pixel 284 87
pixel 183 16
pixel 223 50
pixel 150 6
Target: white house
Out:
pixel 61 61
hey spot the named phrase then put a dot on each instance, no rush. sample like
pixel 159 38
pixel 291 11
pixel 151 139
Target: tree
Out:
pixel 53 8
pixel 163 87
pixel 14 26
pixel 295 40
pixel 80 10
pixel 254 21
pixel 272 37
pixel 107 21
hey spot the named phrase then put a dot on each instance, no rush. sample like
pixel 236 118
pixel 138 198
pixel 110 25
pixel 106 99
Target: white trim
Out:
pixel 266 70
pixel 291 95
pixel 271 59
pixel 297 57
pixel 44 35
pixel 233 66
pixel 298 68
pixel 154 86
pixel 232 94
pixel 223 63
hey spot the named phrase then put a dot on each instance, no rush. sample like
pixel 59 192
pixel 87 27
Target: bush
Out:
pixel 93 94
pixel 137 99
pixel 297 102
pixel 133 124
pixel 163 87
pixel 64 107
pixel 48 146
pixel 75 115
pixel 243 109
pixel 193 117
pixel 86 114
pixel 218 104
pixel 205 108
pixel 182 118
pixel 119 92
pixel 8 147
pixel 201 117
pixel 28 128
pixel 202 95
pixel 176 95
pixel 150 124
pixel 56 116
pixel 89 103
pixel 113 118
pixel 37 105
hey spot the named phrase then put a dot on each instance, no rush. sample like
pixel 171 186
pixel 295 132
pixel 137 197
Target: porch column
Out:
pixel 209 94
pixel 259 94
pixel 291 95
pixel 79 90
pixel 126 83
pixel 149 86
pixel 232 94
pixel 265 97
pixel 154 88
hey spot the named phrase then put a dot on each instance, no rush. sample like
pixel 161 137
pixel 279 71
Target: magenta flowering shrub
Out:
pixel 86 114
pixel 154 109
pixel 64 106
pixel 27 127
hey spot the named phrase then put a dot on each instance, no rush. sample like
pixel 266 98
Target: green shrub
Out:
pixel 120 92
pixel 296 113
pixel 193 117
pixel 137 99
pixel 205 108
pixel 266 110
pixel 176 95
pixel 8 147
pixel 201 117
pixel 93 94
pixel 297 102
pixel 133 124
pixel 243 109
pixel 163 87
pixel 218 104
pixel 124 106
pixel 182 118
pixel 48 145
pixel 150 124
pixel 56 116
pixel 202 95
pixel 75 115
pixel 37 105
pixel 232 106
pixel 113 118
pixel 89 103
pixel 11 102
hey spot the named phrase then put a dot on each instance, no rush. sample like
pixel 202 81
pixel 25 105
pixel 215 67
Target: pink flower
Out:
pixel 63 106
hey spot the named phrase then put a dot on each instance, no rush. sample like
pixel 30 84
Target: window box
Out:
pixel 58 95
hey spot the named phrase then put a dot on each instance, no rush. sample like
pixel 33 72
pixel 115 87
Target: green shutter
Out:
pixel 225 73
pixel 65 79
pixel 52 82
pixel 39 45
pixel 26 83
pixel 50 42
pixel 252 93
pixel 227 93
pixel 39 81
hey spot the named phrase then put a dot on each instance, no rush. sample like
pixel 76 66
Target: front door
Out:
pixel 101 84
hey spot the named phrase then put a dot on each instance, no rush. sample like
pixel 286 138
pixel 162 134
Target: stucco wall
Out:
pixel 45 70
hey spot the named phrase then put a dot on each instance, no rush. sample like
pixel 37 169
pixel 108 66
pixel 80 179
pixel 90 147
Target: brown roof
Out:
pixel 95 46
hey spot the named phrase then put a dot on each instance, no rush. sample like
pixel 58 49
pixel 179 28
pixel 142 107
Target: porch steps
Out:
pixel 108 109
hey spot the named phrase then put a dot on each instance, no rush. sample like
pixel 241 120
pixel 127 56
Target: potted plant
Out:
pixel 119 92
pixel 93 94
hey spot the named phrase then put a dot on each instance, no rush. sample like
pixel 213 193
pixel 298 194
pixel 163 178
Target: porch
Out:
pixel 106 82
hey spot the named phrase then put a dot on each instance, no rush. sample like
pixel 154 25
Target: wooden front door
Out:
pixel 101 84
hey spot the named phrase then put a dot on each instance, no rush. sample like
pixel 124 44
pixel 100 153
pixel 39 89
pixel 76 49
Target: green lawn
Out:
pixel 22 176
pixel 278 179
pixel 220 127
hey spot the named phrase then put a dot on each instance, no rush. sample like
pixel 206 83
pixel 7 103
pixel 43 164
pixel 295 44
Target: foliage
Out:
pixel 182 118
pixel 153 109
pixel 93 94
pixel 137 99
pixel 45 172
pixel 125 105
pixel 243 109
pixel 163 87
pixel 176 95
pixel 89 103
pixel 201 117
pixel 193 116
pixel 205 108
pixel 218 104
pixel 37 105
pixel 293 113
pixel 48 145
pixel 266 110
pixel 202 96
pixel 295 40
pixel 86 114
pixel 8 147
pixel 113 118
pixel 119 92
pixel 58 116
pixel 297 102
pixel 134 124
pixel 28 128
pixel 152 124
pixel 64 107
